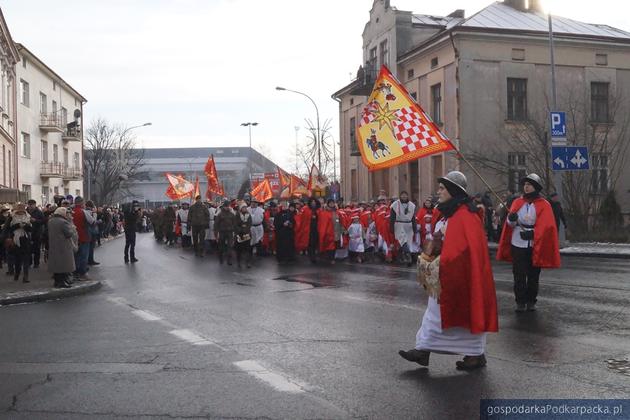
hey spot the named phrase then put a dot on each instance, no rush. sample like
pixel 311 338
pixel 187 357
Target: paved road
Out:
pixel 174 336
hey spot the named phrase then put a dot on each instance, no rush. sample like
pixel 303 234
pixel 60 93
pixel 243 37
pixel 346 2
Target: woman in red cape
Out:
pixel 457 320
pixel 329 230
pixel 530 241
pixel 307 236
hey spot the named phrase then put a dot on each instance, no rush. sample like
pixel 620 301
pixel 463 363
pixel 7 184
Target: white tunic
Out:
pixel 257 230
pixel 456 340
pixel 355 231
pixel 210 231
pixel 403 228
pixel 183 218
pixel 526 217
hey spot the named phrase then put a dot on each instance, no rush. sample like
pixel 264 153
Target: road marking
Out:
pixel 276 380
pixel 117 300
pixel 147 316
pixel 191 337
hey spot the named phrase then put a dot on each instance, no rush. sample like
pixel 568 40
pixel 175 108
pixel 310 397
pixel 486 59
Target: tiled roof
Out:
pixel 501 16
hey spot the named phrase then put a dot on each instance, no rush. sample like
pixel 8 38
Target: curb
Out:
pixel 43 295
pixel 595 255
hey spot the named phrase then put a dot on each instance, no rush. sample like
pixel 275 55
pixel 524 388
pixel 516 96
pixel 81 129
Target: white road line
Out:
pixel 276 380
pixel 147 316
pixel 191 337
pixel 117 300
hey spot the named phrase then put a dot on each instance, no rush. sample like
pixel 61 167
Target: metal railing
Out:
pixel 52 120
pixel 51 169
pixel 73 133
pixel 72 173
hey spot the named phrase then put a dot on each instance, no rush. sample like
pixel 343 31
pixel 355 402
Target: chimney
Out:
pixel 459 13
pixel 536 6
pixel 517 4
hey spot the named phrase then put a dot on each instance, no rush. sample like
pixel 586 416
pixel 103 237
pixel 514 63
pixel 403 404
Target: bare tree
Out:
pixel 112 161
pixel 607 141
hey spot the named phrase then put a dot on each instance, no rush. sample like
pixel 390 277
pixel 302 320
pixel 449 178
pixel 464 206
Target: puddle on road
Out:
pixel 620 366
pixel 315 280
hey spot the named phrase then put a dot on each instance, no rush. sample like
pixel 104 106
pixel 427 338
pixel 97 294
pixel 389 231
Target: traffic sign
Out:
pixel 569 158
pixel 558 125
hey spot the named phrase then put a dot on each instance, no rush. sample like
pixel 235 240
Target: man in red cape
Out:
pixel 457 319
pixel 530 241
pixel 329 230
pixel 306 234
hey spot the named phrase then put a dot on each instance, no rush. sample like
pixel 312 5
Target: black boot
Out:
pixel 419 356
pixel 471 362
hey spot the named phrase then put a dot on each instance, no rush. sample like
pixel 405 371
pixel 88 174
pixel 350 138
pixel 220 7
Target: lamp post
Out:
pixel 249 125
pixel 318 140
pixel 296 148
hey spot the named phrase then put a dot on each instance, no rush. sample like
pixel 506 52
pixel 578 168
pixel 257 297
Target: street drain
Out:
pixel 620 366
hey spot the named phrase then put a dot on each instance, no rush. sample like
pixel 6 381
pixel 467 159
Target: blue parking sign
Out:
pixel 558 125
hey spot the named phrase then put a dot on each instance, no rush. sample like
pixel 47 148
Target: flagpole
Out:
pixel 462 157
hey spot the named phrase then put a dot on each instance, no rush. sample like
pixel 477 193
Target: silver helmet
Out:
pixel 455 178
pixel 534 180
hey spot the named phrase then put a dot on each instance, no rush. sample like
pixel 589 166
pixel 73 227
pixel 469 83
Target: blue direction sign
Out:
pixel 569 158
pixel 558 125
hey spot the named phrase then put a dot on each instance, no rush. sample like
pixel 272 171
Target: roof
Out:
pixel 22 48
pixel 503 17
pixel 429 20
pixel 4 28
pixel 196 152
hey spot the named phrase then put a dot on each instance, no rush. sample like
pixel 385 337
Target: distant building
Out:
pixel 8 109
pixel 233 166
pixel 483 79
pixel 50 131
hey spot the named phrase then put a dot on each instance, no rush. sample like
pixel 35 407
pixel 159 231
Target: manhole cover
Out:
pixel 619 365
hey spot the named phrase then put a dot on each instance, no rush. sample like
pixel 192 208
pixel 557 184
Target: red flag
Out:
pixel 394 129
pixel 196 191
pixel 297 186
pixel 178 187
pixel 285 179
pixel 262 192
pixel 315 180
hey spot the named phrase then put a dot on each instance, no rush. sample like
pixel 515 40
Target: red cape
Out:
pixel 435 216
pixel 302 229
pixel 546 252
pixel 326 231
pixel 468 298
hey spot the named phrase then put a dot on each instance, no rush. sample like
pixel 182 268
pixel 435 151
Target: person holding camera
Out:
pixel 131 219
pixel 530 241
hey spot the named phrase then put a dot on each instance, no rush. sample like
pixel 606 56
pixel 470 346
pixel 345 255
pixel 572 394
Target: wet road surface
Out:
pixel 178 337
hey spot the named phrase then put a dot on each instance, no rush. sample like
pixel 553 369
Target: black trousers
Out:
pixel 198 236
pixel 526 276
pixel 243 248
pixel 130 244
pixel 36 248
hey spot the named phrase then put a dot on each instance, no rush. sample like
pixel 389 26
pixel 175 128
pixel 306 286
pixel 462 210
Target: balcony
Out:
pixel 51 170
pixel 366 77
pixel 51 123
pixel 72 174
pixel 72 133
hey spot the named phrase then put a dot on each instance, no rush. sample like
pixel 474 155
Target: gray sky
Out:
pixel 197 69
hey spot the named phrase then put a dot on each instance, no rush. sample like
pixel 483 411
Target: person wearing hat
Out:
pixel 306 235
pixel 198 220
pixel 242 235
pixel 82 220
pixel 284 227
pixel 5 216
pixel 356 245
pixel 20 229
pixel 529 241
pixel 61 248
pixel 426 219
pixel 257 230
pixel 329 230
pixel 182 227
pixel 558 213
pixel 462 305
pixel 168 224
pixel 130 220
pixel 402 225
pixel 269 240
pixel 224 225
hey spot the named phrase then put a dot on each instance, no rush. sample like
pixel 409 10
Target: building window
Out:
pixel 64 116
pixel 410 74
pixel 44 151
pixel 45 193
pixel 601 59
pixel 517 99
pixel 4 165
pixel 54 107
pixel 351 101
pixel 354 146
pixel 24 62
pixel 27 189
pixel 384 58
pixel 43 105
pixel 24 100
pixel 66 158
pixel 517 169
pixel 599 102
pixel 56 190
pixel 518 54
pixel 436 103
pixel 76 161
pixel 26 145
pixel 434 62
pixel 599 167
pixel 55 153
pixel 54 85
pixel 371 65
pixel 10 171
pixel 77 193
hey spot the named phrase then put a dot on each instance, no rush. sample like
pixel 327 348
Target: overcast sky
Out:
pixel 197 69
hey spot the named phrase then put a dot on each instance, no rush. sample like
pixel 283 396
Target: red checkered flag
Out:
pixel 394 129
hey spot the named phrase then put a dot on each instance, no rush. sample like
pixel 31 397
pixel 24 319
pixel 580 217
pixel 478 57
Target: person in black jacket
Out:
pixel 284 224
pixel 558 213
pixel 37 222
pixel 131 219
pixel 20 229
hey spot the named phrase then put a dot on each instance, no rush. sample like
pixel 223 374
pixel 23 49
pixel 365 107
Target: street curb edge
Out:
pixel 53 294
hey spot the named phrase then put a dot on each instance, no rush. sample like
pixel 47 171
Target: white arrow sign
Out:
pixel 578 160
pixel 559 162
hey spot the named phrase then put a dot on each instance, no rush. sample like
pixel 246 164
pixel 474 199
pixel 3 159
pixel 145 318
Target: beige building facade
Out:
pixel 485 79
pixel 50 131
pixel 8 108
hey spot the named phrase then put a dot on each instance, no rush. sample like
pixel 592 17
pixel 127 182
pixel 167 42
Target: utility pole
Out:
pixel 249 125
pixel 297 128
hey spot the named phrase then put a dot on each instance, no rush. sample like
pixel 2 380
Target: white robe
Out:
pixel 257 230
pixel 183 218
pixel 355 231
pixel 210 231
pixel 403 228
pixel 456 340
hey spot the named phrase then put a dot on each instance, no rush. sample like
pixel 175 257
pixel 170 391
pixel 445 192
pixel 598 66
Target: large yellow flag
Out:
pixel 394 129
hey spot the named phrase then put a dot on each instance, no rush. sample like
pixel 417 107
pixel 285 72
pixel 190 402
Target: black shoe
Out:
pixel 126 260
pixel 35 265
pixel 62 285
pixel 471 363
pixel 531 307
pixel 9 273
pixel 419 356
pixel 134 260
pixel 229 262
pixel 94 263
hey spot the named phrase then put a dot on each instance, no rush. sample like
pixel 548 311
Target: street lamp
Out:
pixel 249 125
pixel 318 140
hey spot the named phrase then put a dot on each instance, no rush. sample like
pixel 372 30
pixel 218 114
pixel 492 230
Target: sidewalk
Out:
pixel 41 288
pixel 589 249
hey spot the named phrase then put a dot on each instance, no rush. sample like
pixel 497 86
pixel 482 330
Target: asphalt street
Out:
pixel 174 336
